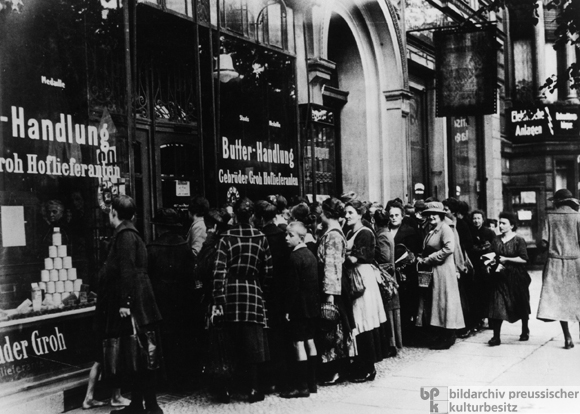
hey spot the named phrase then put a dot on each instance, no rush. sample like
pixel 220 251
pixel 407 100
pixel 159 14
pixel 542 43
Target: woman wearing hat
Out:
pixel 560 297
pixel 445 308
pixel 510 294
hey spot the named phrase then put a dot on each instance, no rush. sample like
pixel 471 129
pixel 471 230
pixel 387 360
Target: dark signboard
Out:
pixel 50 345
pixel 466 73
pixel 544 122
pixel 258 139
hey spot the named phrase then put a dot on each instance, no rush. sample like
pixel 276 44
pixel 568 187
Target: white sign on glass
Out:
pixel 13 233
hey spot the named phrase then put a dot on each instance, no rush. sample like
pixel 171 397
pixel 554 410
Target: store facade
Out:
pixel 158 100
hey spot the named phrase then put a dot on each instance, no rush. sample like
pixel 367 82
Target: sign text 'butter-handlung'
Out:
pixel 256 152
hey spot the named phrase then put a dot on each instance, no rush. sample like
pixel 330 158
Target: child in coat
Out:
pixel 302 309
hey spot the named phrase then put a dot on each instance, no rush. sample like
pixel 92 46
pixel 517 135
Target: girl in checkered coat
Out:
pixel 243 267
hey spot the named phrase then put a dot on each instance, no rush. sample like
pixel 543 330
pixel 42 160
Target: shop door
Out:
pixel 166 171
pixel 178 174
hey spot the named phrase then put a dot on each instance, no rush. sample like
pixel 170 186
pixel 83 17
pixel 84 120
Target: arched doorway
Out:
pixel 365 45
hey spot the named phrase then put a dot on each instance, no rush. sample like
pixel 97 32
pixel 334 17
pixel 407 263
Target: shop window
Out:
pixel 418 139
pixel 319 152
pixel 464 161
pixel 564 175
pixel 177 161
pixel 268 22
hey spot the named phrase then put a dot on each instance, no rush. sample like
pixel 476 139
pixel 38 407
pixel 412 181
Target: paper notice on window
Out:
pixel 182 189
pixel 524 215
pixel 13 233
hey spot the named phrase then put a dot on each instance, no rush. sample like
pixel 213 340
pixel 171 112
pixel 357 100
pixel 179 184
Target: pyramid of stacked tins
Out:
pixel 58 280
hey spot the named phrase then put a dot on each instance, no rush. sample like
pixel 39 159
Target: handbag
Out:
pixel 424 276
pixel 356 285
pixel 220 365
pixel 388 284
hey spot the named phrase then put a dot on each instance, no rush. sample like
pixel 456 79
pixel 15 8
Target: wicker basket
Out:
pixel 329 316
pixel 424 276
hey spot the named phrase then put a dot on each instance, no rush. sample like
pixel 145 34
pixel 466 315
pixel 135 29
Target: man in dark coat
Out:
pixel 125 294
pixel 171 267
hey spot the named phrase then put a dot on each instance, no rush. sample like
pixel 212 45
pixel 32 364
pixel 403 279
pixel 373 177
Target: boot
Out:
pixel 312 384
pixel 300 386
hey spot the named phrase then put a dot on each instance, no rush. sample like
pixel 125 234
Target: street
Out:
pixel 542 361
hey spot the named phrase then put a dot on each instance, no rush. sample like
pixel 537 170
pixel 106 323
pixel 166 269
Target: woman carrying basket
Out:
pixel 335 343
pixel 444 312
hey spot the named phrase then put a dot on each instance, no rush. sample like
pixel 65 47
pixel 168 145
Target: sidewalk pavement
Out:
pixel 542 361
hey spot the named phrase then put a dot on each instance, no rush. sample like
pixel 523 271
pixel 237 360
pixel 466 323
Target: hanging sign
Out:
pixel 543 122
pixel 466 71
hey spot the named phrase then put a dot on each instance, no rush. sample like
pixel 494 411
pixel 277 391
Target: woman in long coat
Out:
pixel 438 248
pixel 560 297
pixel 124 293
pixel 243 265
pixel 171 264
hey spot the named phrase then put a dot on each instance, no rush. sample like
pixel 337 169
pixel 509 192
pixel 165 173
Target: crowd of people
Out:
pixel 280 297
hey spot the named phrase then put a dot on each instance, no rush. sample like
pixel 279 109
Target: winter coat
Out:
pixel 560 297
pixel 124 283
pixel 171 265
pixel 243 266
pixel 438 248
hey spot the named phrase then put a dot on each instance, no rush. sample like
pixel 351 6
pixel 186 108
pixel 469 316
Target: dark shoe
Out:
pixel 444 343
pixel 302 393
pixel 568 343
pixel 464 334
pixel 392 352
pixel 269 389
pixel 255 396
pixel 525 337
pixel 130 409
pixel 494 341
pixel 224 396
pixel 312 388
pixel 156 410
pixel 368 377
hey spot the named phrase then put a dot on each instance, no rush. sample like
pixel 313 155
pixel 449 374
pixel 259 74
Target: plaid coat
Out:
pixel 243 265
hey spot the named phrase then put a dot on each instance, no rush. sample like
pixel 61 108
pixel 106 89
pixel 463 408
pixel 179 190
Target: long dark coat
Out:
pixel 171 267
pixel 124 283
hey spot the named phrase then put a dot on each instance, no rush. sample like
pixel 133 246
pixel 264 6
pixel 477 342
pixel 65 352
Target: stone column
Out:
pixel 396 152
pixel 571 95
pixel 539 55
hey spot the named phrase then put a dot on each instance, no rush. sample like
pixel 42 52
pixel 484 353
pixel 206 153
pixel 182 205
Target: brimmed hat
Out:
pixel 434 207
pixel 563 194
pixel 166 217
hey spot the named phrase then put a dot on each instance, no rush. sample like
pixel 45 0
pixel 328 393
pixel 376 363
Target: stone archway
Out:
pixel 365 43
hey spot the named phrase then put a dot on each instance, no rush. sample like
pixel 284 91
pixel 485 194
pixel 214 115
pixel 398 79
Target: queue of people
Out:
pixel 269 298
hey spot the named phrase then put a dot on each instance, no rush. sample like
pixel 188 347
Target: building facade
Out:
pixel 166 99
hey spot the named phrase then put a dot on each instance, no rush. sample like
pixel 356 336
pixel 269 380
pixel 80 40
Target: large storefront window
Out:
pixel 465 182
pixel 418 138
pixel 320 170
pixel 62 136
pixel 257 153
